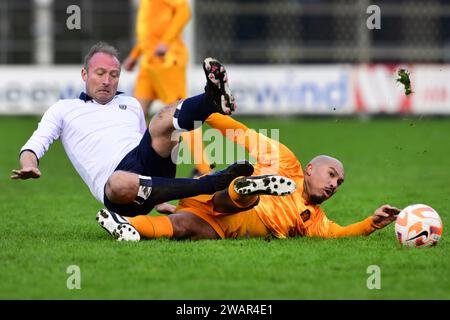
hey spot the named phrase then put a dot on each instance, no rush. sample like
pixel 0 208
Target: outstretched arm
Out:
pixel 49 129
pixel 29 166
pixel 382 216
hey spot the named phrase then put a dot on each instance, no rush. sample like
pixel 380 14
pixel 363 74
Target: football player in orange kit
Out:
pixel 253 206
pixel 164 58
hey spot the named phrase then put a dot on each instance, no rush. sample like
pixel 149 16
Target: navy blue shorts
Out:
pixel 142 160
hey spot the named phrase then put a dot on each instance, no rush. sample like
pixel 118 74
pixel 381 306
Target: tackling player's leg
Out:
pixel 125 186
pixel 269 153
pixel 193 111
pixel 130 194
pixel 180 225
pixel 243 192
pixel 117 226
pixel 241 195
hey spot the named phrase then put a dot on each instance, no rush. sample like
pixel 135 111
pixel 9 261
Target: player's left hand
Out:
pixel 161 50
pixel 165 208
pixel 384 215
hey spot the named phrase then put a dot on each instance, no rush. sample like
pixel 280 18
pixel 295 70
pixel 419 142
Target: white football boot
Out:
pixel 117 226
pixel 267 184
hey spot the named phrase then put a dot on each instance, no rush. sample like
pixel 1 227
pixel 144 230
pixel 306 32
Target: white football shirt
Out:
pixel 96 137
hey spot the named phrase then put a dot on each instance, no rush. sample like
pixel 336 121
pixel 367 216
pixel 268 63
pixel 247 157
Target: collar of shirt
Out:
pixel 85 97
pixel 308 204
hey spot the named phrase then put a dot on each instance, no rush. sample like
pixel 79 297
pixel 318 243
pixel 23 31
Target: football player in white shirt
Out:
pixel 127 166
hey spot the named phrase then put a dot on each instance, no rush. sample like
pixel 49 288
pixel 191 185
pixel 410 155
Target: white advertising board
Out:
pixel 260 90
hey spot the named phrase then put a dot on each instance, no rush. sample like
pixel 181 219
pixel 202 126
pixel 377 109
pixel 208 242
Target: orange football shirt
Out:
pixel 161 21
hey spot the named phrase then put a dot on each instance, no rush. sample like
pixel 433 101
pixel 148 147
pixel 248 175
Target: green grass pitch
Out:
pixel 49 224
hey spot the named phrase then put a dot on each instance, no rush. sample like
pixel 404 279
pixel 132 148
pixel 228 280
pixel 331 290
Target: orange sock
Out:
pixel 194 142
pixel 222 123
pixel 241 201
pixel 258 145
pixel 152 227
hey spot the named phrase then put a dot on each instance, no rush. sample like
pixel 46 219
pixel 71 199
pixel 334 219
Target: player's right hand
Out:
pixel 384 215
pixel 161 50
pixel 26 173
pixel 129 64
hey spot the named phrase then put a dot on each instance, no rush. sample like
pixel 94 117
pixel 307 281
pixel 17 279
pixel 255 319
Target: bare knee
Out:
pixel 188 226
pixel 122 187
pixel 162 131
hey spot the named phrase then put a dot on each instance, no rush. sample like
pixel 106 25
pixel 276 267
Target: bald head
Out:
pixel 323 176
pixel 327 160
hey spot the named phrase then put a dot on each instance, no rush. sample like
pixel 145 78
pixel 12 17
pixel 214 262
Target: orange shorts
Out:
pixel 245 224
pixel 159 82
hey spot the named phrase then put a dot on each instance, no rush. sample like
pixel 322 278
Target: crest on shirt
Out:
pixel 305 215
pixel 123 106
